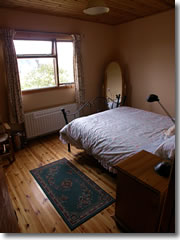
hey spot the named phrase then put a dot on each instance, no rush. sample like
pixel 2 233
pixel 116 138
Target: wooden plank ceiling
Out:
pixel 120 10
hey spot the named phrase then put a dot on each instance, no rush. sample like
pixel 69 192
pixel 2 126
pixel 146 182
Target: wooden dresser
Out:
pixel 140 193
pixel 8 218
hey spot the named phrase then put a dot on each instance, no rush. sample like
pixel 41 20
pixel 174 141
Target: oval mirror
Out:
pixel 113 83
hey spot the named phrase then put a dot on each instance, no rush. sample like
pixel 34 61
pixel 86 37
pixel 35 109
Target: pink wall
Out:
pixel 146 48
pixel 97 50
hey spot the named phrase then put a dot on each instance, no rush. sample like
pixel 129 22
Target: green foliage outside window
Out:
pixel 43 76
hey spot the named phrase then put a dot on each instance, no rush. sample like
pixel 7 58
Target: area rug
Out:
pixel 74 195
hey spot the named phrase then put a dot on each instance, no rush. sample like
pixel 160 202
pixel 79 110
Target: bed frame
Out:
pixel 98 104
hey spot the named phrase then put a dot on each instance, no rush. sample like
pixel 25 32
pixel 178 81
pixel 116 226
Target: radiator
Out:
pixel 46 121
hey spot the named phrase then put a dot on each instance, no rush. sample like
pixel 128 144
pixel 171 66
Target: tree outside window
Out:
pixel 44 64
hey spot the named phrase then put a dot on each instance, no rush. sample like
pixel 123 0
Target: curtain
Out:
pixel 78 73
pixel 16 113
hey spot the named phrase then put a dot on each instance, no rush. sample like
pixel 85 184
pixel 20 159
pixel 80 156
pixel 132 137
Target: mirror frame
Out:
pixel 105 81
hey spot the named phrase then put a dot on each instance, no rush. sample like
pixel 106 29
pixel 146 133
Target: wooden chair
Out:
pixel 6 145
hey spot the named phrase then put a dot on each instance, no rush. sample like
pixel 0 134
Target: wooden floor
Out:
pixel 34 211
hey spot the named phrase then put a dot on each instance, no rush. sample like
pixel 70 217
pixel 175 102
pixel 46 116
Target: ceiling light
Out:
pixel 96 7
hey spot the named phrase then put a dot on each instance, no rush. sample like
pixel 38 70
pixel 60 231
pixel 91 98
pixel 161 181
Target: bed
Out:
pixel 114 135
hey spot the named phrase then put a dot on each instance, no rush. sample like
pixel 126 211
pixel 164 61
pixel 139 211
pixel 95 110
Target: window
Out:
pixel 44 64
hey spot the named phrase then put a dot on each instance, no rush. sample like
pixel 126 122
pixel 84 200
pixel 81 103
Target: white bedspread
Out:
pixel 114 135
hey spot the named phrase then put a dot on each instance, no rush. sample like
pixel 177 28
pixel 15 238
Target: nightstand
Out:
pixel 140 193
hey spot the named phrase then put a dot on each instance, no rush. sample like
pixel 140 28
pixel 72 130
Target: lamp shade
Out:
pixel 96 7
pixel 152 98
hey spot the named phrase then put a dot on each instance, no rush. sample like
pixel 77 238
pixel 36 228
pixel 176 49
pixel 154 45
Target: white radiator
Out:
pixel 45 121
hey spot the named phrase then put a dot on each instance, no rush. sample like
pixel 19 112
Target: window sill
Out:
pixel 30 91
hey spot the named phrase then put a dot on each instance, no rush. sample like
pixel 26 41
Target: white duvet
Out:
pixel 114 135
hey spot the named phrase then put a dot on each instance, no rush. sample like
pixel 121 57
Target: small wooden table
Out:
pixel 140 193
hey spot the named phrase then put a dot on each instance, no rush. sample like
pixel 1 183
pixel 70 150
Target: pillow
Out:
pixel 170 131
pixel 166 149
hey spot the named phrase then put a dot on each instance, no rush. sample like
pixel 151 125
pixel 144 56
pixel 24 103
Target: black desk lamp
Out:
pixel 163 168
pixel 154 98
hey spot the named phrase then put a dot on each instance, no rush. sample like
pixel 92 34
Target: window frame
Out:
pixel 54 55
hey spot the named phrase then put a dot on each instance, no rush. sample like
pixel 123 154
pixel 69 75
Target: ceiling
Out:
pixel 120 10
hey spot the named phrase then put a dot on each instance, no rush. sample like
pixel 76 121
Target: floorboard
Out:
pixel 35 212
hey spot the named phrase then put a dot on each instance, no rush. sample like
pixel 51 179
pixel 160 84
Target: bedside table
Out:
pixel 140 193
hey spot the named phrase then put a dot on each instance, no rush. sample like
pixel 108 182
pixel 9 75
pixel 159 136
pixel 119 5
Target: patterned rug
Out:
pixel 75 196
